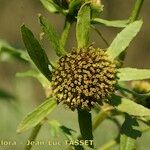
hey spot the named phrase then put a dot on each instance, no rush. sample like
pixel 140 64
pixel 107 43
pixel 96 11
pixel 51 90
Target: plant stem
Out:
pixel 99 33
pixel 108 145
pixel 133 92
pixel 33 135
pixel 134 16
pixel 99 118
pixel 65 32
pixel 136 10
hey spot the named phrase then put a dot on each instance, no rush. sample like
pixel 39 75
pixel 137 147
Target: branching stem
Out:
pixel 33 135
pixel 100 34
pixel 136 10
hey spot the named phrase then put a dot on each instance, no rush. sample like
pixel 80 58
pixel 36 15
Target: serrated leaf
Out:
pixel 83 25
pixel 123 39
pixel 129 106
pixel 110 23
pixel 6 48
pixel 51 6
pixel 52 36
pixel 85 124
pixel 129 134
pixel 35 117
pixel 35 51
pixel 128 74
pixel 35 74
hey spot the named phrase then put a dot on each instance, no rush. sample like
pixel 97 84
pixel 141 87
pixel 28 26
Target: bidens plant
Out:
pixel 86 78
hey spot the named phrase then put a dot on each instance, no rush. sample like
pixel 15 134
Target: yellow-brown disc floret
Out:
pixel 84 78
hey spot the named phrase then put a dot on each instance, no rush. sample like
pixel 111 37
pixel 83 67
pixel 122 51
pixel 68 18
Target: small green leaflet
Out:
pixel 128 74
pixel 52 36
pixel 51 6
pixel 35 117
pixel 123 39
pixel 35 51
pixel 113 23
pixel 83 25
pixel 129 134
pixel 129 106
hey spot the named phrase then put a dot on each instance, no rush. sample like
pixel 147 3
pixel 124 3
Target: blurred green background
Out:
pixel 28 92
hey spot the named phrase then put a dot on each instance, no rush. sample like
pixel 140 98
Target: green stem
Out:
pixel 109 144
pixel 65 32
pixel 102 115
pixel 33 135
pixel 133 92
pixel 99 33
pixel 134 16
pixel 136 10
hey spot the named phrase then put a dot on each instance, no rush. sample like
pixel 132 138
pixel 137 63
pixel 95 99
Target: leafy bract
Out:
pixel 128 74
pixel 83 25
pixel 112 23
pixel 123 39
pixel 128 106
pixel 35 51
pixel 51 6
pixel 52 36
pixel 35 117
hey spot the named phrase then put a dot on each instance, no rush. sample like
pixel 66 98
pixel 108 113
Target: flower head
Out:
pixel 84 78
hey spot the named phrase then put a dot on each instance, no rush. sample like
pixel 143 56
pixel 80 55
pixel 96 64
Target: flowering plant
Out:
pixel 86 78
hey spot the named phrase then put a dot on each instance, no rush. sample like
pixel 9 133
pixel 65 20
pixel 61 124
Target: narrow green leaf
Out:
pixel 85 124
pixel 128 74
pixel 51 6
pixel 129 106
pixel 52 36
pixel 110 23
pixel 35 74
pixel 37 115
pixel 36 52
pixel 6 48
pixel 123 39
pixel 65 33
pixel 129 134
pixel 83 25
